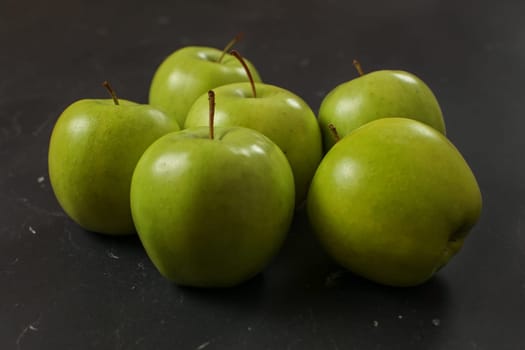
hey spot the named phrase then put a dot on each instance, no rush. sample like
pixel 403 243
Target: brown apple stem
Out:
pixel 228 46
pixel 334 132
pixel 111 92
pixel 211 100
pixel 238 56
pixel 358 67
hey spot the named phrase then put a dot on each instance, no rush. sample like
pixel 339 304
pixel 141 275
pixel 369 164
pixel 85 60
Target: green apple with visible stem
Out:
pixel 190 72
pixel 93 150
pixel 212 206
pixel 379 94
pixel 393 201
pixel 277 113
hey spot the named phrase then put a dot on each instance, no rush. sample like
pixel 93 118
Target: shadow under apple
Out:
pixel 315 303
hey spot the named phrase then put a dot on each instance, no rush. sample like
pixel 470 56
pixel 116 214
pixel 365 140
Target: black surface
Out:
pixel 64 288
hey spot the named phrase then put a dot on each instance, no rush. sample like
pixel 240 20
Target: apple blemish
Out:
pixel 334 132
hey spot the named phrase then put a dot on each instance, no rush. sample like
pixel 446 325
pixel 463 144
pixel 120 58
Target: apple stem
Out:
pixel 211 100
pixel 334 132
pixel 228 46
pixel 111 92
pixel 358 67
pixel 238 56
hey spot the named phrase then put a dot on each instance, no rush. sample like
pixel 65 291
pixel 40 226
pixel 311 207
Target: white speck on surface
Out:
pixel 33 328
pixel 400 317
pixel 332 279
pixel 40 179
pixel 112 255
pixel 249 329
pixel 305 62
pixel 102 31
pixel 203 345
pixel 489 46
pixel 163 20
pixel 32 230
pixel 436 322
pixel 375 323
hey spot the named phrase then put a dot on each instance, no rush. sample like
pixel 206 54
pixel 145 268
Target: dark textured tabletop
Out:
pixel 64 288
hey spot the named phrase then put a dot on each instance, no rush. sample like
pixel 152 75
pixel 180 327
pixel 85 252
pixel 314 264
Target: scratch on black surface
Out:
pixel 21 336
pixel 313 321
pixel 41 127
pixel 70 239
pixel 118 344
pixel 334 278
pixel 17 128
pixel 519 226
pixel 26 203
pixel 33 327
pixel 112 255
pixel 203 345
pixel 333 343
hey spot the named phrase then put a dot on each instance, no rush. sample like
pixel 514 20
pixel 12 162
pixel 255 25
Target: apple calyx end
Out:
pixel 111 92
pixel 358 67
pixel 238 56
pixel 229 45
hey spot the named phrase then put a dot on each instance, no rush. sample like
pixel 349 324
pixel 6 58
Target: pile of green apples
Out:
pixel 210 173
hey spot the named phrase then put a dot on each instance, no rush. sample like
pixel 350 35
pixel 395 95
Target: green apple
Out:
pixel 190 72
pixel 212 212
pixel 393 201
pixel 380 94
pixel 277 113
pixel 93 150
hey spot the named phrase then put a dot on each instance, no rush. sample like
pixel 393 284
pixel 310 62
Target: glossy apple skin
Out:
pixel 93 150
pixel 393 201
pixel 277 113
pixel 380 94
pixel 190 72
pixel 212 213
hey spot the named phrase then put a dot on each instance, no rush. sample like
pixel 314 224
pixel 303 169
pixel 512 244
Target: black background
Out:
pixel 65 288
